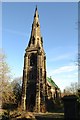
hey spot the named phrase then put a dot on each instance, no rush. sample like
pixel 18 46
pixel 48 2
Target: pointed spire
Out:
pixel 36 12
pixel 36 8
pixel 35 37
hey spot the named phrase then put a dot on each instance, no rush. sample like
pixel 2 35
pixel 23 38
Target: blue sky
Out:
pixel 59 29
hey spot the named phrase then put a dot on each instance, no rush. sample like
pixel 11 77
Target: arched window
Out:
pixel 33 59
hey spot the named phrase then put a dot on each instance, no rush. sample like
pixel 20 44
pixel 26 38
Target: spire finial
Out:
pixel 36 7
pixel 36 12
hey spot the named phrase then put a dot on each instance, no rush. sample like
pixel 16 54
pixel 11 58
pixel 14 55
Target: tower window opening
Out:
pixel 33 40
pixel 37 24
pixel 37 38
pixel 41 72
pixel 33 59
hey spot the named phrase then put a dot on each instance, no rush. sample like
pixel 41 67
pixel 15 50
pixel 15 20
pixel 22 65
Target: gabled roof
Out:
pixel 52 82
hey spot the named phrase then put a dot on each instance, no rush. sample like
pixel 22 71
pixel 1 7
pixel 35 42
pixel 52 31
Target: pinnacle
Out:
pixel 36 12
pixel 36 8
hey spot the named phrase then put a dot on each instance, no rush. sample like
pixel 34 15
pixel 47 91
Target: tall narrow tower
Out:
pixel 34 72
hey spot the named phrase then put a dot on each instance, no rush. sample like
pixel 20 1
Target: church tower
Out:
pixel 34 71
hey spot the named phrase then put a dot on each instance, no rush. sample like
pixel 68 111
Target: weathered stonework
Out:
pixel 34 73
pixel 37 89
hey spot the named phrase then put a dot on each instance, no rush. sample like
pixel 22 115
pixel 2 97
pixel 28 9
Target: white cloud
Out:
pixel 15 32
pixel 65 75
pixel 64 82
pixel 64 69
pixel 61 57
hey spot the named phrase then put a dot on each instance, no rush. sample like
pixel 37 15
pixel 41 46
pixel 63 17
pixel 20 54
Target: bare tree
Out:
pixel 6 93
pixel 72 89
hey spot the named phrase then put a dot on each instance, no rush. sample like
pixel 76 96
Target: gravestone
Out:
pixel 70 107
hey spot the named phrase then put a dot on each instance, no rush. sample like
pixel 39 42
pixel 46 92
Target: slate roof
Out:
pixel 52 82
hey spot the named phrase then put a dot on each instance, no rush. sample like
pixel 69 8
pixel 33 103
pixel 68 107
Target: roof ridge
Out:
pixel 52 82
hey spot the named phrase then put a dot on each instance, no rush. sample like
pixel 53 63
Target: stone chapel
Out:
pixel 34 85
pixel 34 72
